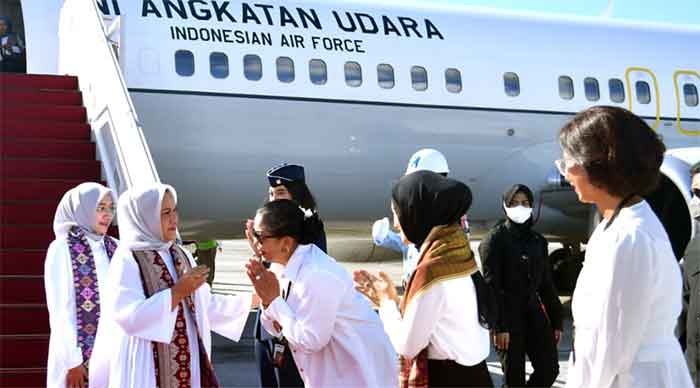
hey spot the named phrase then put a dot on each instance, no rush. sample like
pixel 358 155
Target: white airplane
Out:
pixel 226 89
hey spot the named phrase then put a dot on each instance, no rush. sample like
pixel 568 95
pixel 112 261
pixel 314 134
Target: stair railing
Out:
pixel 86 51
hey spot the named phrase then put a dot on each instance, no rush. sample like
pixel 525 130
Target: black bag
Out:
pixel 486 302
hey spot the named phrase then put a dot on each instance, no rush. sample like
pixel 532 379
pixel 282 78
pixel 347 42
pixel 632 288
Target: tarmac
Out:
pixel 234 362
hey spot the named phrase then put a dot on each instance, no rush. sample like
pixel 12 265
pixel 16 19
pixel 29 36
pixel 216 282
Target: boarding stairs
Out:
pixel 46 149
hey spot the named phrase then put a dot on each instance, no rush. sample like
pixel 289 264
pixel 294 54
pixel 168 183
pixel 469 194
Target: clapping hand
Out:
pixel 265 282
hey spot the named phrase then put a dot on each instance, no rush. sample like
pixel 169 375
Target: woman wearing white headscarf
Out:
pixel 163 304
pixel 76 265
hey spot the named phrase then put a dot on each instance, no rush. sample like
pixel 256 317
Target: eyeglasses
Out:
pixel 696 192
pixel 259 237
pixel 106 209
pixel 564 164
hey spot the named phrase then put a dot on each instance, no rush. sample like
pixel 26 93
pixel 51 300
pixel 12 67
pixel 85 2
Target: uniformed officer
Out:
pixel 690 319
pixel 286 181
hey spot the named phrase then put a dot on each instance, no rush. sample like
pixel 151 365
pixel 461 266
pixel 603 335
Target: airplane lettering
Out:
pixel 104 7
pixel 222 10
pixel 296 41
pixel 337 44
pixel 181 10
pixel 367 25
pixel 221 35
pixel 205 15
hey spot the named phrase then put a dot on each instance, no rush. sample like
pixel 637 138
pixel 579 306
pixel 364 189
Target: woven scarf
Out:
pixel 444 255
pixel 87 292
pixel 172 360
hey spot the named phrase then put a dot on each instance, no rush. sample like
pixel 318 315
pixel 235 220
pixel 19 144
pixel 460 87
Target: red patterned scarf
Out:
pixel 444 255
pixel 172 361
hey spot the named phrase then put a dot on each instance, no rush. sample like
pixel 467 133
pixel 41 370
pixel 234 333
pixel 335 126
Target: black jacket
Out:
pixel 689 321
pixel 516 265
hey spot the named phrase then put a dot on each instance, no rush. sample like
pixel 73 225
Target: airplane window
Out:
pixel 453 80
pixel 318 72
pixel 252 67
pixel 285 69
pixel 691 94
pixel 218 65
pixel 511 83
pixel 419 78
pixel 385 76
pixel 617 90
pixel 566 87
pixel 353 74
pixel 184 63
pixel 590 85
pixel 643 92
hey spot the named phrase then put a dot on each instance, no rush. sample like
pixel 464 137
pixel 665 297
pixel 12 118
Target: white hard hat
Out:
pixel 428 159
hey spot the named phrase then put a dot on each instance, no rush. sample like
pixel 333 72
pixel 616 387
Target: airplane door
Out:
pixel 643 94
pixel 687 86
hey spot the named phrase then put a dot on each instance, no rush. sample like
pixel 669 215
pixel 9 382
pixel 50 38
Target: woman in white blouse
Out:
pixel 435 327
pixel 335 337
pixel 628 295
pixel 75 277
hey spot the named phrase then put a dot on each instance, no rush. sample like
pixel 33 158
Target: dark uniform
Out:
pixel 516 265
pixel 287 375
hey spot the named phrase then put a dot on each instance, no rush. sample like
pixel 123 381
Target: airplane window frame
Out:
pixel 591 89
pixel 290 75
pixel 387 69
pixel 645 88
pixel 416 84
pixel 178 63
pixel 247 72
pixel 324 71
pixel 511 84
pixel 351 68
pixel 456 85
pixel 224 65
pixel 688 96
pixel 616 91
pixel 566 84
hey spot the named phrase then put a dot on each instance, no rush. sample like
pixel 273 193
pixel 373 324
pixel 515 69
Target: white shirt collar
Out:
pixel 291 270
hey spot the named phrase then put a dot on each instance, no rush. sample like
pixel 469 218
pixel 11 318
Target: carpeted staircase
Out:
pixel 46 149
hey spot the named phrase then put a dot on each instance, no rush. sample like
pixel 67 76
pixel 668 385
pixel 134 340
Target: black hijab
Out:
pixel 508 196
pixel 425 199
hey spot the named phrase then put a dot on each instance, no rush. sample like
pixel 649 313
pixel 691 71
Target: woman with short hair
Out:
pixel 336 340
pixel 628 295
pixel 75 278
pixel 435 327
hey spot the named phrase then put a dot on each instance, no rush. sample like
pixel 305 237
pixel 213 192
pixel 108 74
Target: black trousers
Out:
pixel 287 376
pixel 536 339
pixel 447 373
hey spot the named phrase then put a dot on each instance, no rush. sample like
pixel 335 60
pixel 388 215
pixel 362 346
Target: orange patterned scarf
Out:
pixel 444 255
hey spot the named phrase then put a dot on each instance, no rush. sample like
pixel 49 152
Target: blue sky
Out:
pixel 667 11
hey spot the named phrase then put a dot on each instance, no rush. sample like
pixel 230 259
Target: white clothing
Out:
pixel 138 212
pixel 78 207
pixel 336 339
pixel 443 318
pixel 625 306
pixel 142 320
pixel 64 352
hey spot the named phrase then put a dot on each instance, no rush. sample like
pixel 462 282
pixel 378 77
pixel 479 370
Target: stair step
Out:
pixel 73 114
pixel 39 81
pixel 87 170
pixel 27 213
pixel 24 319
pixel 22 290
pixel 25 237
pixel 24 351
pixel 11 96
pixel 22 262
pixel 24 148
pixel 44 130
pixel 21 189
pixel 22 377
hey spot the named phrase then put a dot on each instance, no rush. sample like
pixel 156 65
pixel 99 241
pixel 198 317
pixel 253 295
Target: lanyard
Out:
pixel 618 209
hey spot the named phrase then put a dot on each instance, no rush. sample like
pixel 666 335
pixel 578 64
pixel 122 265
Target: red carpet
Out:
pixel 46 149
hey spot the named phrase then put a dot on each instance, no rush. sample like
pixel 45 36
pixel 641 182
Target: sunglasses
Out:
pixel 259 237
pixel 695 192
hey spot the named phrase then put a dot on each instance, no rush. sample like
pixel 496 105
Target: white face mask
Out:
pixel 695 208
pixel 518 214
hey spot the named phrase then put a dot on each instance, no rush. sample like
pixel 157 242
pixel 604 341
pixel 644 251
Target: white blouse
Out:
pixel 444 318
pixel 64 352
pixel 625 306
pixel 336 339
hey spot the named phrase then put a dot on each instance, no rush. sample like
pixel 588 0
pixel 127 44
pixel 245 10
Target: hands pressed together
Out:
pixel 188 283
pixel 265 282
pixel 375 287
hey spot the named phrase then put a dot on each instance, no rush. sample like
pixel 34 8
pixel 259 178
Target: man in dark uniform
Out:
pixel 516 265
pixel 689 323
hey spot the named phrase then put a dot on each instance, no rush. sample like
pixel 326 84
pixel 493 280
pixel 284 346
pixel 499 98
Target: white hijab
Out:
pixel 138 215
pixel 78 207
